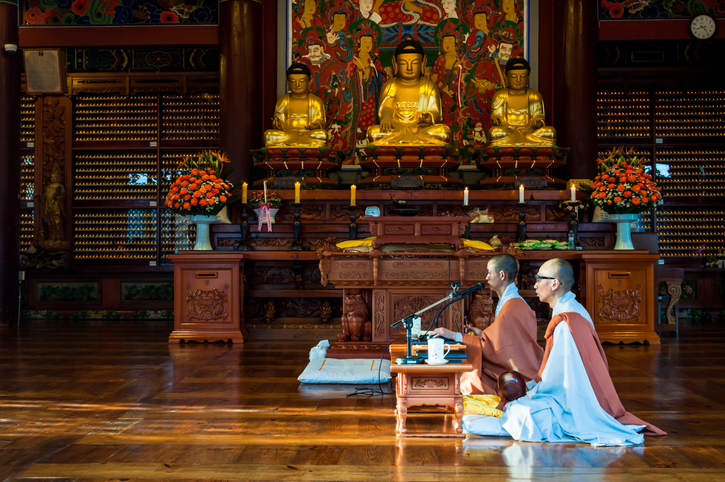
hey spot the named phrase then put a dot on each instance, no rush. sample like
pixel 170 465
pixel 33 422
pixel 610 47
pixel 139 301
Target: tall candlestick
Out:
pixel 465 197
pixel 573 193
pixel 353 200
pixel 244 193
pixel 521 193
pixel 265 192
pixel 297 192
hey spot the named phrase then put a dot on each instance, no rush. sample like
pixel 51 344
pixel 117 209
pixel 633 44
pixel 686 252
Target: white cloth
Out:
pixel 319 351
pixel 563 406
pixel 569 304
pixel 509 293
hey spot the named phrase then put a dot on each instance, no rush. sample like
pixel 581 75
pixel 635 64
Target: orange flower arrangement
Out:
pixel 622 186
pixel 204 189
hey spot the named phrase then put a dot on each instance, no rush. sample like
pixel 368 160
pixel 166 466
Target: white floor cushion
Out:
pixel 332 370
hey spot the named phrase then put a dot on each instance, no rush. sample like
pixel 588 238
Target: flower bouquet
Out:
pixel 202 192
pixel 622 186
pixel 624 190
pixel 265 204
pixel 204 189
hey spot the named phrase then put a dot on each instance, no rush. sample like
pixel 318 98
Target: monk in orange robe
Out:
pixel 511 336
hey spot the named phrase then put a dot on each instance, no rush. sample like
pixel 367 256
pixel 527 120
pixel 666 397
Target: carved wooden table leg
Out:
pixel 458 410
pixel 401 413
pixel 674 289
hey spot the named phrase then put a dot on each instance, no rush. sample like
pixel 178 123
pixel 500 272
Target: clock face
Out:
pixel 703 27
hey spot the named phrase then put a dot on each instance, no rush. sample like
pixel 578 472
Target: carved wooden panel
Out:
pixel 510 213
pixel 553 213
pixel 428 383
pixel 616 305
pixel 406 304
pixel 379 308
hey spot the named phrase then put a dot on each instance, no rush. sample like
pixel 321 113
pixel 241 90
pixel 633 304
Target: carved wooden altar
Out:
pixel 394 285
pixel 208 297
pixel 617 288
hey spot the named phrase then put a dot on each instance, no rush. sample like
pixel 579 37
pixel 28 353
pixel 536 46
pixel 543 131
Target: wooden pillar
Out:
pixel 242 66
pixel 575 28
pixel 10 160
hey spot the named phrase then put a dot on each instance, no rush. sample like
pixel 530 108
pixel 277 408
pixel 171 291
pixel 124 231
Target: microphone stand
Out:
pixel 408 321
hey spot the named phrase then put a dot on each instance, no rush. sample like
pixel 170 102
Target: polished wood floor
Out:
pixel 88 401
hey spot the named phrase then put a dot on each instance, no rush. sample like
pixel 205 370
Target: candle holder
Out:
pixel 297 229
pixel 467 232
pixel 574 219
pixel 242 245
pixel 522 222
pixel 353 224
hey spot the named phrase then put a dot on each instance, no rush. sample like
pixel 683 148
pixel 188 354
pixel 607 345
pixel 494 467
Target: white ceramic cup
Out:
pixel 435 350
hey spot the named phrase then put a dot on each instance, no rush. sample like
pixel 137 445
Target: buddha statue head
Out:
pixel 409 57
pixel 298 79
pixel 517 73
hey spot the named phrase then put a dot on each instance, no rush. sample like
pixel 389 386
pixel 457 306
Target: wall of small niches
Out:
pixel 682 132
pixel 126 152
pixel 27 169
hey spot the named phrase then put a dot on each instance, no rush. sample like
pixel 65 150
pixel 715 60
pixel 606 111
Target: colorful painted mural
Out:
pixel 349 46
pixel 658 9
pixel 119 12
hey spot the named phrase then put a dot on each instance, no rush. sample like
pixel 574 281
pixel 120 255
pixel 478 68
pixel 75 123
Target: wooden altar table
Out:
pixel 616 287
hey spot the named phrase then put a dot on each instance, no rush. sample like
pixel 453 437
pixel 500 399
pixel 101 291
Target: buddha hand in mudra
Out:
pixel 299 117
pixel 517 112
pixel 410 104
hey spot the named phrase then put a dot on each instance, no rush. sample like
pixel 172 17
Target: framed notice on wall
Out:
pixel 45 71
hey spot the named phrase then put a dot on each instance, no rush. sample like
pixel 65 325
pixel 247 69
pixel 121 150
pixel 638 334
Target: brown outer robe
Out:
pixel 595 363
pixel 512 335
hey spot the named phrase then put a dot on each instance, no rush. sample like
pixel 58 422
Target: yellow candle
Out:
pixel 521 193
pixel 573 193
pixel 244 193
pixel 353 200
pixel 297 192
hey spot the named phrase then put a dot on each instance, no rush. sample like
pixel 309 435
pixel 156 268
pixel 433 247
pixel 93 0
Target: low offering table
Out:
pixel 434 386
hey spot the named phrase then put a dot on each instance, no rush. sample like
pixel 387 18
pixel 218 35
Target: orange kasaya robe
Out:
pixel 597 368
pixel 512 335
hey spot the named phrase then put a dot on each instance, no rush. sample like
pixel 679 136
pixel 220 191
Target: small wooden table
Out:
pixel 428 385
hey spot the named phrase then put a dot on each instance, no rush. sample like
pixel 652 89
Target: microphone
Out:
pixel 476 287
pixel 456 285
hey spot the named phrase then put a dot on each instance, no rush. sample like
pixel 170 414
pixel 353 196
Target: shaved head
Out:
pixel 507 264
pixel 562 270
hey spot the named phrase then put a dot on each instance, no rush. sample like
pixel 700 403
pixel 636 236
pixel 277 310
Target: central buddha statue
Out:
pixel 410 105
pixel 517 112
pixel 299 117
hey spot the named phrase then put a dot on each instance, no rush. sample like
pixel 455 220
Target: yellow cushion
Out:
pixel 482 405
pixel 470 243
pixel 356 243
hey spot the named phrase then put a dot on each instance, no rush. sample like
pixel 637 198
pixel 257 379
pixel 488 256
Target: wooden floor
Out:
pixel 113 401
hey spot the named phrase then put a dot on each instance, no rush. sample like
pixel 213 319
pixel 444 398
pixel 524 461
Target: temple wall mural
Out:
pixel 349 45
pixel 118 12
pixel 658 9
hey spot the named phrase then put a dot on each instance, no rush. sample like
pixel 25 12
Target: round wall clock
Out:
pixel 702 26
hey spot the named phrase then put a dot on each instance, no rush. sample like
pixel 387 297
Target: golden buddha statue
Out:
pixel 410 105
pixel 299 117
pixel 517 112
